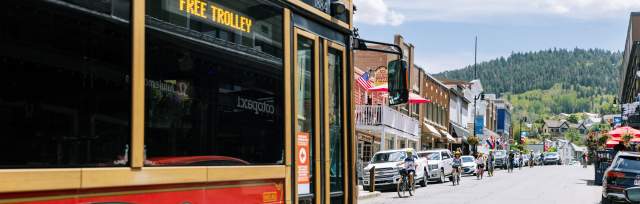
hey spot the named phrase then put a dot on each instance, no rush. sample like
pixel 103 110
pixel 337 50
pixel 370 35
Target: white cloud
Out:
pixel 394 12
pixel 376 12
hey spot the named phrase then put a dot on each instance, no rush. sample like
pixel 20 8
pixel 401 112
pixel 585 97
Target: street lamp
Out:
pixel 475 112
pixel 524 119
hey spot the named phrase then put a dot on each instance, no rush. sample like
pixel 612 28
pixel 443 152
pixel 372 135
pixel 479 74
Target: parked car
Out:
pixel 500 158
pixel 552 158
pixel 624 172
pixel 388 165
pixel 439 161
pixel 469 165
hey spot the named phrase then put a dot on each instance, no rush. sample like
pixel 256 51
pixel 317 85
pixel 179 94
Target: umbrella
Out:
pixel 382 87
pixel 415 99
pixel 618 132
pixel 635 140
pixel 610 143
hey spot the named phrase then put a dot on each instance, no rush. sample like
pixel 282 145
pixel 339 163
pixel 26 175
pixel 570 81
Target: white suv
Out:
pixel 388 165
pixel 439 163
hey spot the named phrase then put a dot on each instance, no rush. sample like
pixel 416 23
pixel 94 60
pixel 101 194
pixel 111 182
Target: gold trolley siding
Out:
pixel 176 101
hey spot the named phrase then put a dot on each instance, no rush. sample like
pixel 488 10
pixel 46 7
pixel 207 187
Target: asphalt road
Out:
pixel 538 185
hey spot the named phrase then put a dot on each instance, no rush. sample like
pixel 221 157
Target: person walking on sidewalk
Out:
pixel 520 161
pixel 490 163
pixel 480 166
pixel 510 162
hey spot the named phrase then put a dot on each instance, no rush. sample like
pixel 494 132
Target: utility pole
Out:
pixel 475 60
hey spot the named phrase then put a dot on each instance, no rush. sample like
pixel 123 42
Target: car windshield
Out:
pixel 499 153
pixel 467 159
pixel 388 157
pixel 432 156
pixel 553 154
pixel 627 162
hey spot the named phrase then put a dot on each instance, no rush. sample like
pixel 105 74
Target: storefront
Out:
pixel 176 101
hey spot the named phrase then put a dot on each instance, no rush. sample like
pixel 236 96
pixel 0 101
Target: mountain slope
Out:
pixel 521 72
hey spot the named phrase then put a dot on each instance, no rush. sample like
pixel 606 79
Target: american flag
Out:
pixel 364 81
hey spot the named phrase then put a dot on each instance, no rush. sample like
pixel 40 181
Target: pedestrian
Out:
pixel 490 164
pixel 520 162
pixel 531 160
pixel 585 159
pixel 510 162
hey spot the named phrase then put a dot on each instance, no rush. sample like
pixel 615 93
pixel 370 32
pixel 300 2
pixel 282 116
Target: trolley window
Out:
pixel 65 96
pixel 214 83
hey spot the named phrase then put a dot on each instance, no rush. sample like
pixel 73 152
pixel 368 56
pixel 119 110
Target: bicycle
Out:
pixel 404 185
pixel 480 171
pixel 455 176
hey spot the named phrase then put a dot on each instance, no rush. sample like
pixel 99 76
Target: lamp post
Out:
pixel 475 112
pixel 524 119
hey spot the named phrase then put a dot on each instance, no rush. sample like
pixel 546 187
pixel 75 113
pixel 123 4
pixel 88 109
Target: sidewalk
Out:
pixel 362 194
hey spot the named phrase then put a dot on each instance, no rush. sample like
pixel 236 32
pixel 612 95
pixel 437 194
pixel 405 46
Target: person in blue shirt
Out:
pixel 410 166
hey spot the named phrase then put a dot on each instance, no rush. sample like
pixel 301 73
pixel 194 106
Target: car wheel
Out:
pixel 605 200
pixel 442 179
pixel 424 179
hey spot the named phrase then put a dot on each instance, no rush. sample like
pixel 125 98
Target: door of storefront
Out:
pixel 319 119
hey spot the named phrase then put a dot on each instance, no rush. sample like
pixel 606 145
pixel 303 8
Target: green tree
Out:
pixel 573 136
pixel 573 118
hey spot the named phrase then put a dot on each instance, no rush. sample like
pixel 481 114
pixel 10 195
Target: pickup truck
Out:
pixel 439 161
pixel 388 165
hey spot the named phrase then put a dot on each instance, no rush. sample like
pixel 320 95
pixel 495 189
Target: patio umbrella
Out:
pixel 415 99
pixel 635 140
pixel 382 87
pixel 618 132
pixel 610 143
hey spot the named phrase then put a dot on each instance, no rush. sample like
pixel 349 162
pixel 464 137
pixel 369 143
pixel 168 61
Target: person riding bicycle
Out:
pixel 457 162
pixel 410 166
pixel 480 165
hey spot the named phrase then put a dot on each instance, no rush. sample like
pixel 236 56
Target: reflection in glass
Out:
pixel 304 101
pixel 65 91
pixel 336 171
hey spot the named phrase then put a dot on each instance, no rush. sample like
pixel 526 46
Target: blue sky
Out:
pixel 443 31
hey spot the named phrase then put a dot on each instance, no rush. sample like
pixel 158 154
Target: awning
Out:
pixel 416 99
pixel 431 130
pixel 460 131
pixel 449 137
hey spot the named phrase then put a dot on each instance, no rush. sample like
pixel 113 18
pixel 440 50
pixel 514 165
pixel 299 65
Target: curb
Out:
pixel 362 195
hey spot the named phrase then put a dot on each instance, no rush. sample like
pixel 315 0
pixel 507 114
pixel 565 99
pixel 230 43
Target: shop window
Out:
pixel 214 84
pixel 65 91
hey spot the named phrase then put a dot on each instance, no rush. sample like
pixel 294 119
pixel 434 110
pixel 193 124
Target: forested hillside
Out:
pixel 521 72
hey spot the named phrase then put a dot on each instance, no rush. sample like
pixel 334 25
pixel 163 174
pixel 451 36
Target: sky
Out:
pixel 443 31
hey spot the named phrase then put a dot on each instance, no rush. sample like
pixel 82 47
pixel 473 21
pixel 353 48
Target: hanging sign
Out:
pixel 302 162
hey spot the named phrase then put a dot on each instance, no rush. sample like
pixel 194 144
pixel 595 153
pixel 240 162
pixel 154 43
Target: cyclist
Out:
pixel 456 164
pixel 480 166
pixel 410 166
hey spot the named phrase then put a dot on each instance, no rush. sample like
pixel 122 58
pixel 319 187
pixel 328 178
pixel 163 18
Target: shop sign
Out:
pixel 216 14
pixel 302 162
pixel 380 76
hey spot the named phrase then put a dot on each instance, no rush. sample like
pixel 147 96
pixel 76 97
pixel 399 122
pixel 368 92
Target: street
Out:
pixel 547 184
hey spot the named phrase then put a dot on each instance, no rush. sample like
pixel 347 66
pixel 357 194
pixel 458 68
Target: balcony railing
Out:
pixel 374 115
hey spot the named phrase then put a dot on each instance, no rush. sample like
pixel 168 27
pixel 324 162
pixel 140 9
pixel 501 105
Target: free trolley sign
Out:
pixel 302 155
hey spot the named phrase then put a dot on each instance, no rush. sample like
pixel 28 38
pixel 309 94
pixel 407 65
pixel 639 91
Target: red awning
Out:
pixel 415 99
pixel 382 87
